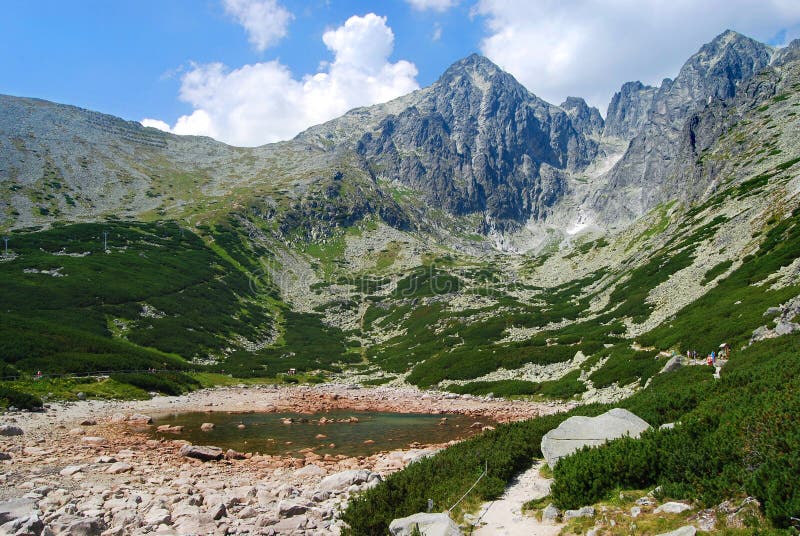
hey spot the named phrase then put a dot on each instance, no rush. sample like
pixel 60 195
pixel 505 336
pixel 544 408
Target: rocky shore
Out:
pixel 92 467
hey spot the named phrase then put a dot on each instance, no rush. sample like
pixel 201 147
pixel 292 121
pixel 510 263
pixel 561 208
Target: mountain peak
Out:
pixel 475 67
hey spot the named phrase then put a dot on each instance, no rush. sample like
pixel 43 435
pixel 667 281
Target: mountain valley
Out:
pixel 468 238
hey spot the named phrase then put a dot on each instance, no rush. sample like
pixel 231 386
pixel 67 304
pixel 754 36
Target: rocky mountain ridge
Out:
pixel 474 153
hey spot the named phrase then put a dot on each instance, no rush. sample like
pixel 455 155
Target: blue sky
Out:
pixel 253 71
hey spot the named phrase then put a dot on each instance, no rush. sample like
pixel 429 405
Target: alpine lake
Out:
pixel 339 432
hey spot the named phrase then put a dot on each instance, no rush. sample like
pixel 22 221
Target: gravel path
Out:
pixel 504 517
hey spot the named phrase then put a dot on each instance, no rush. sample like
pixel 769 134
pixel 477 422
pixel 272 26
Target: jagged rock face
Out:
pixel 478 141
pixel 628 110
pixel 586 120
pixel 706 126
pixel 642 178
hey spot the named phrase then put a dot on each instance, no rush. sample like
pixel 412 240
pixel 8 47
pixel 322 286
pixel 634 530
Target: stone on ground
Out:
pixel 672 508
pixel 577 432
pixel 683 531
pixel 202 453
pixel 428 524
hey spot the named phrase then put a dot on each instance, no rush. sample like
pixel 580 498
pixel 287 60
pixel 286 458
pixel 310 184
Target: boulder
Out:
pixel 93 526
pixel 428 524
pixel 550 514
pixel 674 363
pixel 202 453
pixel 578 432
pixel 310 470
pixel 140 418
pixel 672 508
pixel 586 511
pixel 10 430
pixel 345 479
pixel 291 508
pixel 683 531
pixel 16 509
pixel 25 526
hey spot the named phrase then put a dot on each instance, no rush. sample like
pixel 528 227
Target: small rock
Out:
pixel 71 470
pixel 106 459
pixel 586 511
pixel 636 511
pixel 140 418
pixel 81 396
pixel 88 422
pixel 166 428
pixel 231 454
pixel 218 511
pixel 550 514
pixel 93 440
pixel 119 467
pixel 207 426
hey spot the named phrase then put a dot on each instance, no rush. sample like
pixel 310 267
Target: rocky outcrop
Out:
pixel 578 432
pixel 644 177
pixel 585 119
pixel 627 111
pixel 477 141
pixel 428 524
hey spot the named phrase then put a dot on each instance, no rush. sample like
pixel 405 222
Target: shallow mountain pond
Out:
pixel 269 433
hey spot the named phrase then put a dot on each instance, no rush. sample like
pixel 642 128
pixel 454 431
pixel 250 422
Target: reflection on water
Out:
pixel 269 433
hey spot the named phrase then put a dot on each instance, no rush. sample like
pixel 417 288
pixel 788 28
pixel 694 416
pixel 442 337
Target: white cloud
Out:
pixel 265 21
pixel 155 123
pixel 588 48
pixel 263 102
pixel 434 5
pixel 437 32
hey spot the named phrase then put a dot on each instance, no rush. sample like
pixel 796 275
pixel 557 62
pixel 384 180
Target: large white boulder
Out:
pixel 345 479
pixel 577 432
pixel 428 524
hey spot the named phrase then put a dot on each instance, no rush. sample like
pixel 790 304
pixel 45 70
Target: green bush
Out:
pixel 738 435
pixel 11 397
pixel 168 383
pixel 444 477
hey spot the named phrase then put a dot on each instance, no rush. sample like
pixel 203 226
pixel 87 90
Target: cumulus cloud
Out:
pixel 265 21
pixel 588 48
pixel 263 102
pixel 433 5
pixel 155 123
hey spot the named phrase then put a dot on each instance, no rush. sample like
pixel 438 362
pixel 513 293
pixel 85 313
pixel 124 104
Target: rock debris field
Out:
pixel 91 467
